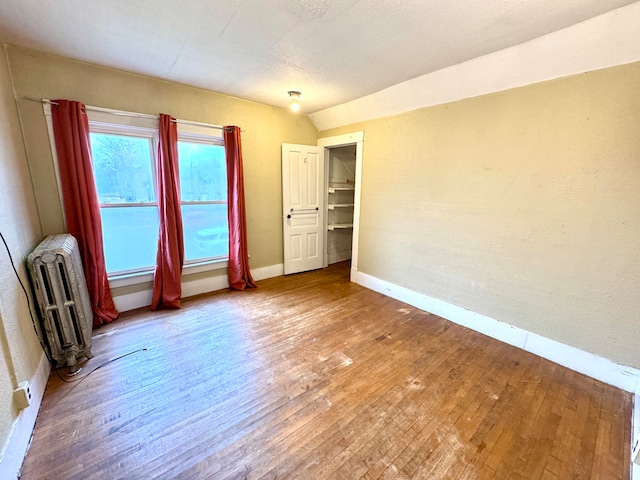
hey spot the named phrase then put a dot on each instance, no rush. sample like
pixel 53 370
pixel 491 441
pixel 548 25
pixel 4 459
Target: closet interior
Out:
pixel 340 174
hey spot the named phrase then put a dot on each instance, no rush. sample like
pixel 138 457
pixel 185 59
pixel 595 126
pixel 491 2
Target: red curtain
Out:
pixel 80 199
pixel 166 282
pixel 239 274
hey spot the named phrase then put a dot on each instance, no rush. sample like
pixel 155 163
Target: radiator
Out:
pixel 61 293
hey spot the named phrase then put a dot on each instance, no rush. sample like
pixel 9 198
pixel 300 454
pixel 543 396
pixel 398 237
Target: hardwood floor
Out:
pixel 312 377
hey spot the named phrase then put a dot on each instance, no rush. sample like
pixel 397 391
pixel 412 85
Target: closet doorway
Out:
pixel 336 212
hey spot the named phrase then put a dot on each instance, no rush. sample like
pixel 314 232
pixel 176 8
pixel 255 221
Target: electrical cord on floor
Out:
pixel 35 329
pixel 111 360
pixel 79 379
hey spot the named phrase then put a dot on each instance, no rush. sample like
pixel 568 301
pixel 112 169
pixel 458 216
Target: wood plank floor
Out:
pixel 312 377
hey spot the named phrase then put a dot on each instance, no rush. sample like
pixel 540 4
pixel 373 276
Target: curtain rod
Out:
pixel 198 124
pixel 100 109
pixel 129 114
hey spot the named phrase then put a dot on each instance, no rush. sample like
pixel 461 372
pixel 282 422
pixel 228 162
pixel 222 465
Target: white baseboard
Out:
pixel 635 436
pixel 267 272
pixel 353 275
pixel 17 444
pixel 131 301
pixel 600 368
pixel 204 285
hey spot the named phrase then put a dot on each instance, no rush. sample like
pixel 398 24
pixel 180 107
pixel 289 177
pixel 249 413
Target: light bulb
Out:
pixel 294 95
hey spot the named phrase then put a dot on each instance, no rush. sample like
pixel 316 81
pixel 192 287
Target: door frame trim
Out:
pixel 357 139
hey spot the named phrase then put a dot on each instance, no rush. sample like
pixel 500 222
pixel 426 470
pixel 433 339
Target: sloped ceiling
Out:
pixel 334 51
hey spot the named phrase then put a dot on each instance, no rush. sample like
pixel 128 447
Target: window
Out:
pixel 203 191
pixel 125 180
pixel 124 168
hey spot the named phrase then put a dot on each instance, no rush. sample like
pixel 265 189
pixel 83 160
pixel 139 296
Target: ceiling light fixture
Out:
pixel 294 96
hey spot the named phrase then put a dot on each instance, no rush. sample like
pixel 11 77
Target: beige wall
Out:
pixel 265 128
pixel 523 206
pixel 20 352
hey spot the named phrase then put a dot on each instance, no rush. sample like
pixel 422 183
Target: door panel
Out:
pixel 296 247
pixel 303 207
pixel 312 245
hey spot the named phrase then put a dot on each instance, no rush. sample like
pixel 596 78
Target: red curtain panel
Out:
pixel 166 281
pixel 239 274
pixel 80 201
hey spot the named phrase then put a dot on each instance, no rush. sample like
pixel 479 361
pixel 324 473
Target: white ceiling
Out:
pixel 334 51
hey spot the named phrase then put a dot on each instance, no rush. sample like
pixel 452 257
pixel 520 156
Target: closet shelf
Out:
pixel 345 188
pixel 337 226
pixel 333 206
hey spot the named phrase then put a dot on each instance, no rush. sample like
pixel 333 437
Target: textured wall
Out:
pixel 264 128
pixel 522 205
pixel 20 352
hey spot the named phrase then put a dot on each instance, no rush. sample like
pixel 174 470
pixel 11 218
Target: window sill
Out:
pixel 204 266
pixel 127 279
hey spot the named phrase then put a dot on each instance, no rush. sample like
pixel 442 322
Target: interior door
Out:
pixel 303 207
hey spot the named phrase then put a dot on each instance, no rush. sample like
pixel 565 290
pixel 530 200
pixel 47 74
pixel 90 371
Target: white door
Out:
pixel 303 207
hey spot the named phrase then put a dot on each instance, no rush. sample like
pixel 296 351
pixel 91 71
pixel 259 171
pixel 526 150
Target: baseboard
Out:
pixel 131 301
pixel 600 368
pixel 267 272
pixel 17 443
pixel 204 285
pixel 353 275
pixel 635 436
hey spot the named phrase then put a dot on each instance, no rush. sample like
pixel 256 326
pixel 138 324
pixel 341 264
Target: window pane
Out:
pixel 122 166
pixel 203 171
pixel 130 237
pixel 206 231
